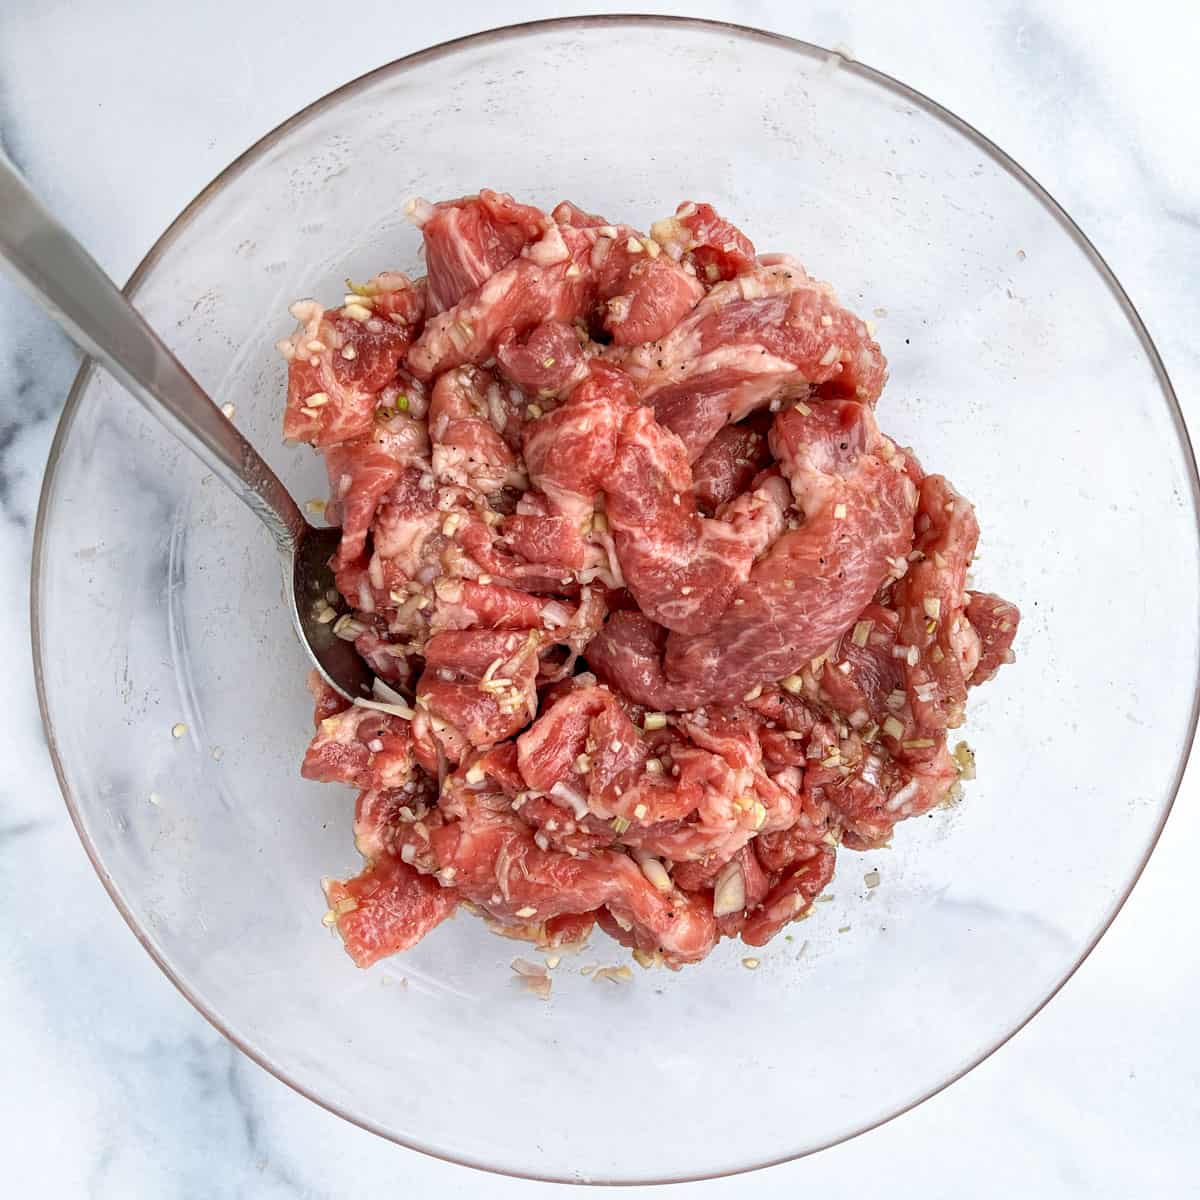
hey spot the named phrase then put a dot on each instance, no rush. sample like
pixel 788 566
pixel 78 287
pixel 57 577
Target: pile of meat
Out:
pixel 660 617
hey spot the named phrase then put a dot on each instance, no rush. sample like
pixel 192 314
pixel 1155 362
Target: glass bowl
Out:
pixel 1018 367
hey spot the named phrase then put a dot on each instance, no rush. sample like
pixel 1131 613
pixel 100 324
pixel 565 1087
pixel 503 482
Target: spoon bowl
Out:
pixel 317 607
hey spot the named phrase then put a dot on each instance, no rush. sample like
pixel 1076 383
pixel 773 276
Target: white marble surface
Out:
pixel 112 1086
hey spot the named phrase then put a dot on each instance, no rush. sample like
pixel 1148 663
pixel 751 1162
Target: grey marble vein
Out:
pixel 36 366
pixel 263 1154
pixel 8 129
pixel 10 833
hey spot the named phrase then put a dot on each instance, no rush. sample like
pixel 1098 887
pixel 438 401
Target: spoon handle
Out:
pixel 56 270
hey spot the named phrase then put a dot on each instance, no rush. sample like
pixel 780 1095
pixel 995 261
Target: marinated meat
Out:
pixel 341 361
pixel 660 618
pixel 467 241
pixel 715 247
pixel 767 336
pixel 727 465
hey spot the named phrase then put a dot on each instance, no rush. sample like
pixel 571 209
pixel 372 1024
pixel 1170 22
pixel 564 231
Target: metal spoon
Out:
pixel 56 270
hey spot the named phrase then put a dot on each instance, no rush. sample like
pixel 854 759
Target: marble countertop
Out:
pixel 120 113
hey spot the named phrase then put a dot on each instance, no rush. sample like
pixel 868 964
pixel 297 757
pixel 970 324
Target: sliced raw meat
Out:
pixel 362 747
pixel 570 929
pixel 995 622
pixel 716 248
pixel 389 907
pixel 468 450
pixel 467 604
pixel 326 702
pixel 652 297
pixel 340 361
pixel 739 889
pixel 627 654
pixel 569 455
pixel 811 584
pixel 380 815
pixel 767 335
pixel 480 683
pixel 407 521
pixel 641 294
pixel 363 470
pixel 815 579
pixel 585 753
pixel 682 569
pixel 862 676
pixel 791 898
pixel 391 660
pixel 727 465
pixel 569 452
pixel 519 296
pixel 496 863
pixel 467 241
pixel 940 646
pixel 543 538
pixel 875 796
pixel 566 213
pixel 546 361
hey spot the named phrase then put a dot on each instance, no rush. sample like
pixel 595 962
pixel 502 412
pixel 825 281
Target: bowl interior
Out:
pixel 1016 368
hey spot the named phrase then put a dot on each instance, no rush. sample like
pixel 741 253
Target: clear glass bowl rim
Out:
pixel 515 32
